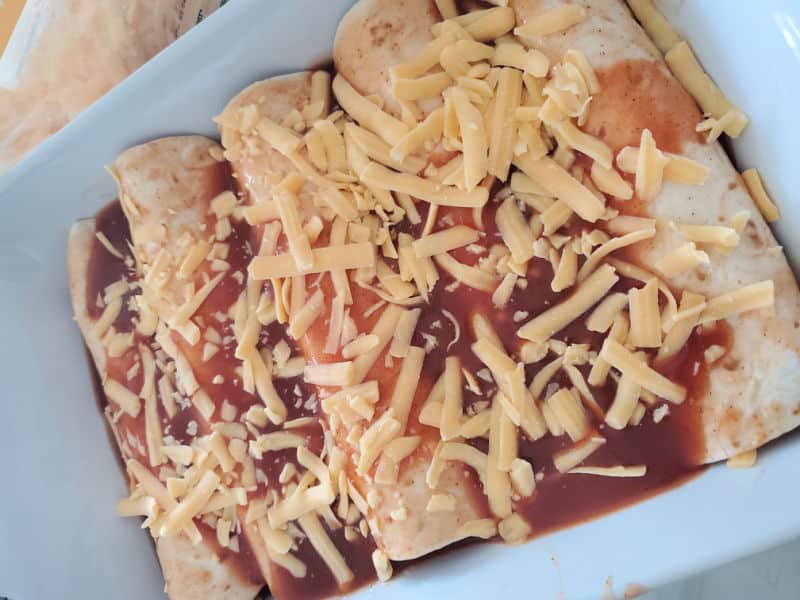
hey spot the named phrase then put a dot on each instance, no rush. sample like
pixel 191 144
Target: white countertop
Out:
pixel 771 575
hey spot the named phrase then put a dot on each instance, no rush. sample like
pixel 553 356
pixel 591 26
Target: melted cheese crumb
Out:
pixel 382 564
pixel 743 460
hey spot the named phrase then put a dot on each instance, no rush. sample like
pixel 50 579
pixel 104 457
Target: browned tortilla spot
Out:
pixel 639 94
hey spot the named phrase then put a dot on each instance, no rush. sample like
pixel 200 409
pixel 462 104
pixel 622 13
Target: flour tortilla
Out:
pixel 422 532
pixel 189 571
pixel 754 399
pixel 169 184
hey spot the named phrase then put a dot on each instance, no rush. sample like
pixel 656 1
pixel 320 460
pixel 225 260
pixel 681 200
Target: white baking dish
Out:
pixel 59 534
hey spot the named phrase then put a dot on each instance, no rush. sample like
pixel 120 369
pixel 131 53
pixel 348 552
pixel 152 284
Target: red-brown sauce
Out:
pixel 105 269
pixel 319 582
pixel 639 94
pixel 634 95
pixel 671 449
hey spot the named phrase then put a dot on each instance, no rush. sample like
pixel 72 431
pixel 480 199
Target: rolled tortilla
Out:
pixel 396 33
pixel 421 532
pixel 172 189
pixel 190 571
pixel 750 398
pixel 166 187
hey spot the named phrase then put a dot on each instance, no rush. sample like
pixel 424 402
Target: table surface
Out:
pixel 770 575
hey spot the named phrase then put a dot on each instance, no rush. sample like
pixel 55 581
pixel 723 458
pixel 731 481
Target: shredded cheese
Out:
pixel 381 562
pixel 530 61
pixel 496 482
pixel 717 235
pixel 560 183
pixel 687 70
pixel 569 458
pixel 685 257
pixel 106 243
pixel 337 374
pixel 610 246
pixel 676 168
pixel 428 130
pixel 515 232
pixel 554 319
pixel 567 270
pixel 153 432
pixel 625 361
pixel 474 139
pixel 482 25
pixel 680 327
pixel 320 98
pixel 128 402
pixel 367 113
pixel 107 317
pixel 650 165
pixel 372 146
pixel 284 140
pixel 441 502
pixel 450 423
pixel 378 176
pixel 749 297
pixel 466 454
pixel 645 328
pixel 300 503
pixel 506 101
pixel 626 399
pixel 426 86
pixel 406 385
pixel 618 471
pixel 610 182
pixel 325 547
pixel 479 528
pixel 502 293
pixel 401 340
pixel 444 241
pixel 522 477
pixel 764 203
pixel 330 258
pixel 262 374
pixel 602 317
pixel 470 276
pixel 513 529
pixel 655 24
pixel 181 515
pixel 553 21
pixel 589 145
pixel 375 438
pixel 303 319
pixel 401 448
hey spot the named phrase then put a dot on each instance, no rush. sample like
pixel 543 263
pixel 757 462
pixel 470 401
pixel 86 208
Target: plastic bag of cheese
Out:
pixel 59 56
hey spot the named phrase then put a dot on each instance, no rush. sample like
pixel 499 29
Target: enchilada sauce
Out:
pixel 104 269
pixel 671 449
